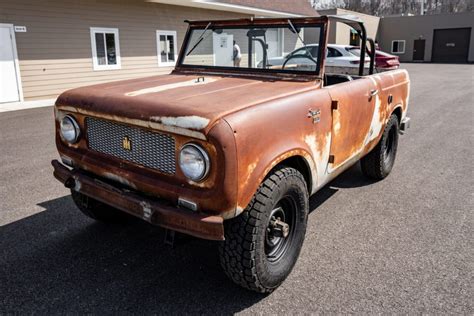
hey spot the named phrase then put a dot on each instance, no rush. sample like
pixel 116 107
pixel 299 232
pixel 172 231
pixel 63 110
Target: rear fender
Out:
pixel 394 87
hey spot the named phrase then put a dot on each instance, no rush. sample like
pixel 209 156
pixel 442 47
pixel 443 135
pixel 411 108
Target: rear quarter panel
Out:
pixel 394 84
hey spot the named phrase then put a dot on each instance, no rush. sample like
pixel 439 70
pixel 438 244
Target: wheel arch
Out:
pixel 300 159
pixel 398 112
pixel 299 163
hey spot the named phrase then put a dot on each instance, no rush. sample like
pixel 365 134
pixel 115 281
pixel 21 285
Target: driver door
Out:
pixel 353 105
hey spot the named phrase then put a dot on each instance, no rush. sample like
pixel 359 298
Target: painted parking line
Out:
pixel 16 106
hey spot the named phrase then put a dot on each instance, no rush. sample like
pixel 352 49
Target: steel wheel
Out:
pixel 280 229
pixel 378 163
pixel 263 243
pixel 389 145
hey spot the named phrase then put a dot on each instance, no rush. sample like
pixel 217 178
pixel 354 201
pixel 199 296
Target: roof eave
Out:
pixel 211 5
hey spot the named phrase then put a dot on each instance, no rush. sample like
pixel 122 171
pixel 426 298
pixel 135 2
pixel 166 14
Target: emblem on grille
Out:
pixel 126 143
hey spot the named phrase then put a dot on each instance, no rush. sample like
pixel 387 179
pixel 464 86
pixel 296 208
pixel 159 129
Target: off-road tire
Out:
pixel 243 254
pixel 98 210
pixel 379 162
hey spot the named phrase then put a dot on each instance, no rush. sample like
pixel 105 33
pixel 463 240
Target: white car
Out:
pixel 336 56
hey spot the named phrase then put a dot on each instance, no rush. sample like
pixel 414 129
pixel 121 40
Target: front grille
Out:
pixel 149 149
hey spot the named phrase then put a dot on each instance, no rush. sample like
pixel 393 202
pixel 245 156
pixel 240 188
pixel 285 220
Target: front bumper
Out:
pixel 153 211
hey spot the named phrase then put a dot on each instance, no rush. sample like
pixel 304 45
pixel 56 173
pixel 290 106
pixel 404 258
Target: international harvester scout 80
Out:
pixel 228 147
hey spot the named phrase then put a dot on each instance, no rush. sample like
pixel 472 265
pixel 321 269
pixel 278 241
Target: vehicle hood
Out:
pixel 184 101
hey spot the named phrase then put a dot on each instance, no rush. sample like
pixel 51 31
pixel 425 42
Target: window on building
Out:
pixel 354 38
pixel 398 47
pixel 105 48
pixel 167 50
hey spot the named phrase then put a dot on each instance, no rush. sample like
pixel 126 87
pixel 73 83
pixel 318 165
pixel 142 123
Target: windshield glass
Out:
pixel 290 48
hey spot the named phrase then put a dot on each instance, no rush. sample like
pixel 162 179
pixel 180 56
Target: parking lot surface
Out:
pixel 402 245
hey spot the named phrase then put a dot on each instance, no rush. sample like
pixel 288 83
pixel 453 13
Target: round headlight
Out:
pixel 194 162
pixel 69 129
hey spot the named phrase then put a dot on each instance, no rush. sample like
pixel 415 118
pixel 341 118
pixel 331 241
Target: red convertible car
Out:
pixel 383 60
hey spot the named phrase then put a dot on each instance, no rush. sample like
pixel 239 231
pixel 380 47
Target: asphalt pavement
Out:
pixel 402 245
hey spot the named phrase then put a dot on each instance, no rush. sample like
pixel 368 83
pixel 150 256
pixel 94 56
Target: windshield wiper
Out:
pixel 200 39
pixel 298 34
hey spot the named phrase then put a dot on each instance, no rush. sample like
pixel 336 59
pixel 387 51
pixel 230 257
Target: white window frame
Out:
pixel 158 48
pixel 16 61
pixel 114 31
pixel 404 46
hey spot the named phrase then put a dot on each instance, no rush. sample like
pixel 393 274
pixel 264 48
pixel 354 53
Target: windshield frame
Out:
pixel 320 22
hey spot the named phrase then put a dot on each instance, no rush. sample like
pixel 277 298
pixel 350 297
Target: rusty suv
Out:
pixel 229 147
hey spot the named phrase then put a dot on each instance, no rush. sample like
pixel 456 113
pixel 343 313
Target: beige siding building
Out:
pixel 52 46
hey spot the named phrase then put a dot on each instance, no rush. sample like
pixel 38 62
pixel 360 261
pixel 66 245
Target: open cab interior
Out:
pixel 333 75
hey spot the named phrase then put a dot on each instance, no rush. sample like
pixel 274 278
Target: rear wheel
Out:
pixel 264 242
pixel 98 210
pixel 379 162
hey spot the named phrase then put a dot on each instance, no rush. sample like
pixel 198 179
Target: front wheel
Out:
pixel 379 162
pixel 262 244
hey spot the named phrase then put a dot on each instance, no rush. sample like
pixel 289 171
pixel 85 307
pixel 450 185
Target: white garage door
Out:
pixel 9 91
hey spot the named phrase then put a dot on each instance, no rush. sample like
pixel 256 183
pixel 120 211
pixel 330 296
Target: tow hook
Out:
pixel 70 183
pixel 279 228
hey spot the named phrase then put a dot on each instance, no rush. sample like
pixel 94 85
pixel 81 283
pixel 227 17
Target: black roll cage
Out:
pixel 357 24
pixel 252 35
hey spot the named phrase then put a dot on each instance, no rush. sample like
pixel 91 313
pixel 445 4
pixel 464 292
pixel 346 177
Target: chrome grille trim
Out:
pixel 149 149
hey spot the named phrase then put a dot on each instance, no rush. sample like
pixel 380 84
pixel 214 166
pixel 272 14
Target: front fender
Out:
pixel 269 133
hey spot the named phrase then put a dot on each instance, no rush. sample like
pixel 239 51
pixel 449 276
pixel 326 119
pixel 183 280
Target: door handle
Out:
pixel 374 92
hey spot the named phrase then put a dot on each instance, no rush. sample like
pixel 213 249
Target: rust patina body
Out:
pixel 248 123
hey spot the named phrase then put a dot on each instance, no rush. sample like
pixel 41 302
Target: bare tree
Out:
pixel 390 7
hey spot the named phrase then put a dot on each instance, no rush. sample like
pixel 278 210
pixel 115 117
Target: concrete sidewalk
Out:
pixel 15 106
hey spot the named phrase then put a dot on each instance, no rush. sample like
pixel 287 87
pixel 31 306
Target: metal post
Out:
pixel 250 51
pixel 371 55
pixel 363 46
